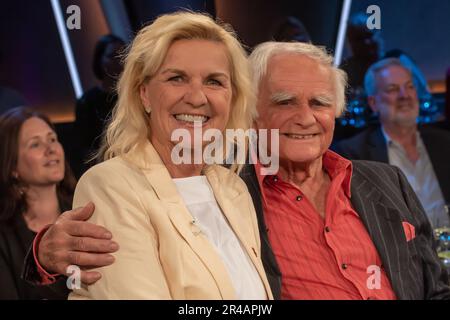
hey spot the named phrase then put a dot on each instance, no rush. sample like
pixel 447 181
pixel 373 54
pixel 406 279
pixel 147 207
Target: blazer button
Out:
pixel 344 266
pixel 299 198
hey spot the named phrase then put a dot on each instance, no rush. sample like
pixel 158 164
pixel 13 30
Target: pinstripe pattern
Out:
pixel 383 199
pixel 371 145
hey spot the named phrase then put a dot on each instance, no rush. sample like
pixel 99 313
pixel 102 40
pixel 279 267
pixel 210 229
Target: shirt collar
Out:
pixel 390 142
pixel 387 138
pixel 333 163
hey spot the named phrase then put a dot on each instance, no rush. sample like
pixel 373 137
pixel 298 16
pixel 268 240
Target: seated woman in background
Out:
pixel 36 185
pixel 185 231
pixel 94 108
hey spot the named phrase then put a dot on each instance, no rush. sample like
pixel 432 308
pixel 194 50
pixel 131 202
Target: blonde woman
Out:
pixel 185 231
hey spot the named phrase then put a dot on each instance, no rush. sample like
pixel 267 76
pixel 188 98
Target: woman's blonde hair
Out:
pixel 129 125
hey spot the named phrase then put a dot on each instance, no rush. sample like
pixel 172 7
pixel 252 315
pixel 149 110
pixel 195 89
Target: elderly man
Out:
pixel 331 228
pixel 417 151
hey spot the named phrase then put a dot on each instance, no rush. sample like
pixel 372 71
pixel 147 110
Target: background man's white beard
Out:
pixel 406 121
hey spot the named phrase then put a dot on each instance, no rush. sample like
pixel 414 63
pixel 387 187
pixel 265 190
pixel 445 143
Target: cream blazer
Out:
pixel 162 254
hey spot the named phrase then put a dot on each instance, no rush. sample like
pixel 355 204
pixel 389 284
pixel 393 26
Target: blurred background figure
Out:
pixel 366 46
pixel 36 185
pixel 428 108
pixel 9 98
pixel 399 141
pixel 290 29
pixel 423 92
pixel 444 122
pixel 94 107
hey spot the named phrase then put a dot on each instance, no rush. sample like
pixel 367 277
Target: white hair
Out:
pixel 261 55
pixel 371 73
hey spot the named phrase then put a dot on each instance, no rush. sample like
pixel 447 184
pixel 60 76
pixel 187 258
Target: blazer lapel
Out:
pixel 273 273
pixel 227 204
pixel 230 205
pixel 384 226
pixel 182 221
pixel 165 189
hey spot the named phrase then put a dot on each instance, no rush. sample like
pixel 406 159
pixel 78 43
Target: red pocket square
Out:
pixel 410 231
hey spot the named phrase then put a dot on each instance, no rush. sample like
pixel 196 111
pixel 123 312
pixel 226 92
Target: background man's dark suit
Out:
pixel 371 145
pixel 383 199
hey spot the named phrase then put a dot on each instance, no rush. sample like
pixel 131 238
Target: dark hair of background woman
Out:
pixel 99 51
pixel 12 200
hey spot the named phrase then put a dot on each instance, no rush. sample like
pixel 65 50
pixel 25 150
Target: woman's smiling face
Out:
pixel 40 155
pixel 192 86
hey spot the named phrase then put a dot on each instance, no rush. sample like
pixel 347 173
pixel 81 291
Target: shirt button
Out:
pixel 344 266
pixel 299 198
pixel 327 229
pixel 275 179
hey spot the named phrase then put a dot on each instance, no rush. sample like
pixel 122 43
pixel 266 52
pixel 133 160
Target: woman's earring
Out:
pixel 148 109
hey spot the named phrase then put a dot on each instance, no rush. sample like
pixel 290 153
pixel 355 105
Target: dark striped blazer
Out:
pixel 383 199
pixel 370 144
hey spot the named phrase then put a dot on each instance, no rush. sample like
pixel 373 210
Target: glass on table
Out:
pixel 442 237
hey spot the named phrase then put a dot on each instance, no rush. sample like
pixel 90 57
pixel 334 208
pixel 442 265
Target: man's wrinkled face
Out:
pixel 297 96
pixel 395 99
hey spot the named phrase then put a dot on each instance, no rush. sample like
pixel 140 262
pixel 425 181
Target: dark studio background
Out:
pixel 33 63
